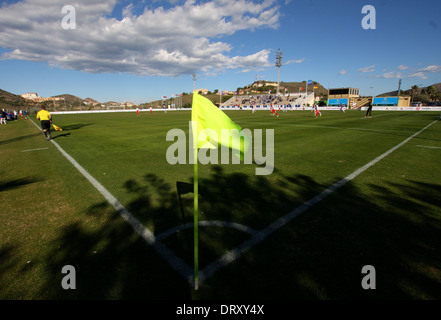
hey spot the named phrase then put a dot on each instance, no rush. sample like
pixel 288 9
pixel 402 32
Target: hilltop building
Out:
pixel 30 96
pixel 202 91
pixel 35 97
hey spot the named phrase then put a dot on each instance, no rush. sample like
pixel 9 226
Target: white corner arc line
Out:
pixel 233 254
pixel 176 263
pixel 207 223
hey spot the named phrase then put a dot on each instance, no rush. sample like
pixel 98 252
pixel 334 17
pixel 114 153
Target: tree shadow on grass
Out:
pixel 110 263
pixel 8 261
pixel 318 255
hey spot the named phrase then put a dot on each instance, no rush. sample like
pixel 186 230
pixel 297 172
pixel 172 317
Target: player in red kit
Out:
pixel 273 111
pixel 317 111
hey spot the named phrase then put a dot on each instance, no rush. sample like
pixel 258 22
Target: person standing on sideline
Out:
pixel 369 110
pixel 3 116
pixel 137 111
pixel 46 120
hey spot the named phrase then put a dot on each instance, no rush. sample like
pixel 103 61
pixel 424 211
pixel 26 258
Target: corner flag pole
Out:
pixel 196 207
pixel 205 115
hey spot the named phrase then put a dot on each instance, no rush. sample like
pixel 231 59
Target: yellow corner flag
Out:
pixel 208 122
pixel 56 127
pixel 208 117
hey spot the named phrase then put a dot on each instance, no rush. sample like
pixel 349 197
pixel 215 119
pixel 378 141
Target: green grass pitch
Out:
pixel 389 216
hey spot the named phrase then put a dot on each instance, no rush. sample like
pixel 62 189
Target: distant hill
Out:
pixel 436 86
pixel 91 101
pixel 111 103
pixel 289 87
pixel 293 87
pixel 69 99
pixel 9 100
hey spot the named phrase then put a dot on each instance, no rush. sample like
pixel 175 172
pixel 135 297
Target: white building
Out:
pixel 30 96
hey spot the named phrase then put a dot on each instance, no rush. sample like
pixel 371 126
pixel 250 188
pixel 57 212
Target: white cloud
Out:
pixel 431 69
pixel 342 72
pixel 367 69
pixel 402 67
pixel 295 61
pixel 391 75
pixel 183 39
pixel 422 73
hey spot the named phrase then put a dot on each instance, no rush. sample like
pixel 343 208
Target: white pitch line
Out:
pixel 206 223
pixel 429 147
pixel 34 149
pixel 182 268
pixel 175 262
pixel 378 115
pixel 235 253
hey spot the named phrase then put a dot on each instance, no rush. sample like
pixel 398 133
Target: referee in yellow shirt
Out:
pixel 46 120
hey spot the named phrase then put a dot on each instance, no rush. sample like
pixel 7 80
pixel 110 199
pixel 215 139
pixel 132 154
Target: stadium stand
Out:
pixel 262 101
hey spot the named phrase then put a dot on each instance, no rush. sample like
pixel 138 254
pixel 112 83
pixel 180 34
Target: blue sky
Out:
pixel 139 51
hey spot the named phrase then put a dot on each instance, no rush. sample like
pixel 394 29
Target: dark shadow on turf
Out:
pixel 61 135
pixel 70 127
pixel 76 126
pixel 17 183
pixel 20 138
pixel 318 255
pixel 8 262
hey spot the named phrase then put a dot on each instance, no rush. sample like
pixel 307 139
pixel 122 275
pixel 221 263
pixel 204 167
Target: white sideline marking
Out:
pixel 233 254
pixel 175 262
pixel 180 266
pixel 34 149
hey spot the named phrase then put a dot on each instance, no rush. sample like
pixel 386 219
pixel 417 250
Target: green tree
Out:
pixel 414 91
pixel 424 98
pixel 432 93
